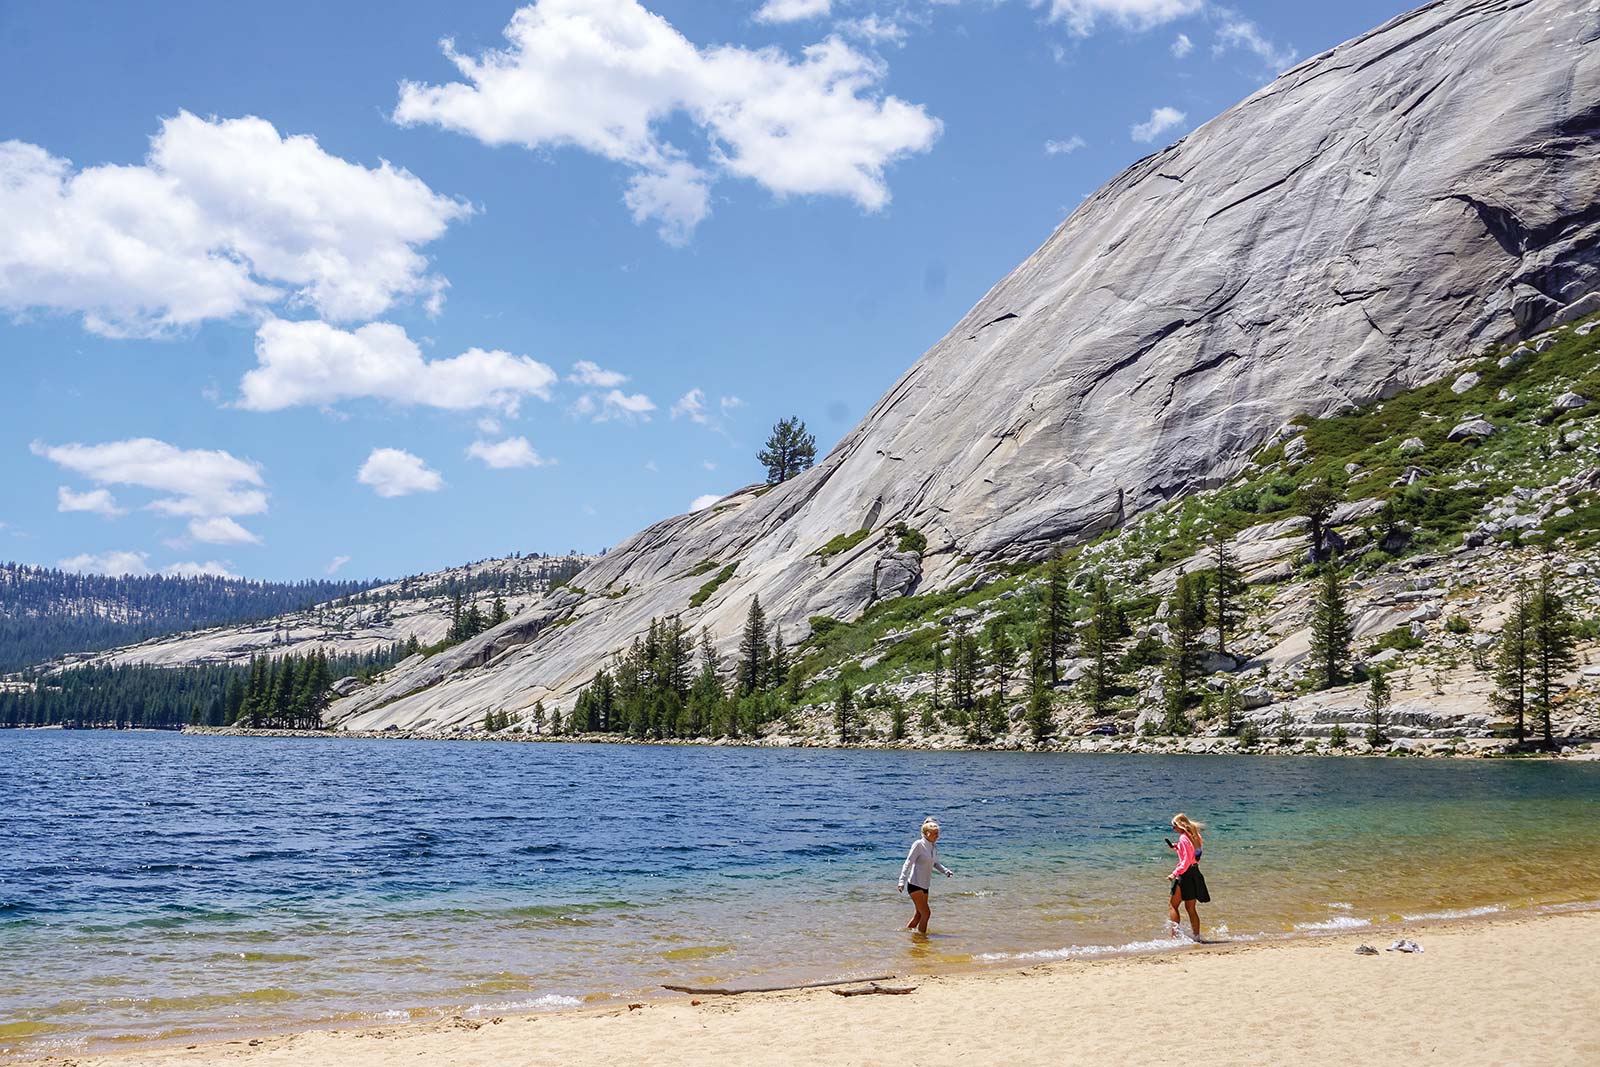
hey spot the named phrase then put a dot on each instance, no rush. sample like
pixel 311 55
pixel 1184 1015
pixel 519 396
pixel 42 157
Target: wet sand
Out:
pixel 1522 990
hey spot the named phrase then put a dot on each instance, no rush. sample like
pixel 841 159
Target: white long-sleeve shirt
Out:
pixel 921 862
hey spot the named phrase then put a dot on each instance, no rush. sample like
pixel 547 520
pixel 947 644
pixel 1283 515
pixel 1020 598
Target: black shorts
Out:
pixel 1191 884
pixel 915 889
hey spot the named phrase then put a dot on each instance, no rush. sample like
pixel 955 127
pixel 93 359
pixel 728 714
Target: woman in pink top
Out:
pixel 1188 885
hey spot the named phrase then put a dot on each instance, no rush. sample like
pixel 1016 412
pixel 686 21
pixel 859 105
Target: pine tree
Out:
pixel 1317 501
pixel 777 660
pixel 1055 616
pixel 454 633
pixel 1224 587
pixel 790 450
pixel 1554 641
pixel 897 721
pixel 1041 721
pixel 1514 661
pixel 1229 706
pixel 753 650
pixel 1330 633
pixel 498 613
pixel 1002 655
pixel 936 698
pixel 538 717
pixel 1377 704
pixel 1185 621
pixel 706 698
pixel 1102 642
pixel 844 713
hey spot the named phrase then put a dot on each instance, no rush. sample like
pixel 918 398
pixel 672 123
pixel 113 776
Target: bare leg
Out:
pixel 1194 917
pixel 1172 909
pixel 920 921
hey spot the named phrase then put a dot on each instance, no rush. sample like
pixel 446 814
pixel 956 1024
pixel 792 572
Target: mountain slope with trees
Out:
pixel 1343 235
pixel 46 613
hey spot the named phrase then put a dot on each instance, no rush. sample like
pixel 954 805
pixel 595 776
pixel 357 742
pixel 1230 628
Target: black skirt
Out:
pixel 1192 884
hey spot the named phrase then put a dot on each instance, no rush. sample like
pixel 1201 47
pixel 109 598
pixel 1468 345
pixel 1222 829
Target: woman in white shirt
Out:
pixel 917 871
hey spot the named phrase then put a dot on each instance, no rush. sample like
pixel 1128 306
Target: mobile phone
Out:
pixel 1168 840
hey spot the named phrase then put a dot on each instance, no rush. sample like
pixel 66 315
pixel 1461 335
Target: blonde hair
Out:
pixel 930 823
pixel 1185 825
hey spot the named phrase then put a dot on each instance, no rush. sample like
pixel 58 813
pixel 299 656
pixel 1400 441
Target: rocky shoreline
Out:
pixel 1583 749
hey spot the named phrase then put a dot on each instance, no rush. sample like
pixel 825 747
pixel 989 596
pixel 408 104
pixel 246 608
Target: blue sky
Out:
pixel 287 291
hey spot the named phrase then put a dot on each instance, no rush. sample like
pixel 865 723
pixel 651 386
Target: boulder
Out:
pixel 1465 382
pixel 1546 344
pixel 896 575
pixel 1257 696
pixel 1471 428
pixel 1570 401
pixel 1576 310
pixel 1295 450
pixel 1412 446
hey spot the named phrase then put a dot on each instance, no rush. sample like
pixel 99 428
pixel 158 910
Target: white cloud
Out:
pixel 730 403
pixel 615 404
pixel 221 530
pixel 95 501
pixel 873 30
pixel 1064 148
pixel 1082 16
pixel 585 372
pixel 700 503
pixel 708 465
pixel 121 562
pixel 692 406
pixel 209 569
pixel 793 10
pixel 1182 46
pixel 605 75
pixel 311 362
pixel 223 217
pixel 504 455
pixel 392 472
pixel 1162 119
pixel 336 564
pixel 1237 32
pixel 200 483
pixel 649 465
pixel 115 562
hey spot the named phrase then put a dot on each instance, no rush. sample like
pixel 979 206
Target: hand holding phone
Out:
pixel 1168 840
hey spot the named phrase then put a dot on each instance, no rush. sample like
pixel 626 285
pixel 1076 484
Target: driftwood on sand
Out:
pixel 776 988
pixel 874 987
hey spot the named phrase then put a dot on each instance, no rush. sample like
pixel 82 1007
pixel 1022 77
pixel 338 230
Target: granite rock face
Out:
pixel 1378 212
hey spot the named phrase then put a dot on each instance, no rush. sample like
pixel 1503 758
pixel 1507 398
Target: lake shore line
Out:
pixel 1482 992
pixel 1414 748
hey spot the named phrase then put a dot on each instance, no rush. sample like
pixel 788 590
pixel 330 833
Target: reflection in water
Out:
pixel 154 884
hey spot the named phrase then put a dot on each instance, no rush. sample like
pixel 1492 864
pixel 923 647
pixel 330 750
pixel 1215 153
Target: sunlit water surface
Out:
pixel 155 886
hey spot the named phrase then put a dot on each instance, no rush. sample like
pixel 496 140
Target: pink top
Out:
pixel 1185 855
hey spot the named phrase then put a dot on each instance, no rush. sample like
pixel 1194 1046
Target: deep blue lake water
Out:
pixel 155 885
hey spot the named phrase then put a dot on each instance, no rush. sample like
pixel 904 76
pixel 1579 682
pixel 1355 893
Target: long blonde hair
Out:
pixel 1185 825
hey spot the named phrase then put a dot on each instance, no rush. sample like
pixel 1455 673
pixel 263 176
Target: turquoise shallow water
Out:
pixel 157 886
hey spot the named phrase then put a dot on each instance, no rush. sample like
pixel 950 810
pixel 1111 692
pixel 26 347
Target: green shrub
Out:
pixel 911 540
pixel 1339 737
pixel 703 594
pixel 1249 735
pixel 823 625
pixel 1458 624
pixel 1399 638
pixel 842 543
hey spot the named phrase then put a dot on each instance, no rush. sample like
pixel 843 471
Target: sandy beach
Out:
pixel 1521 990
